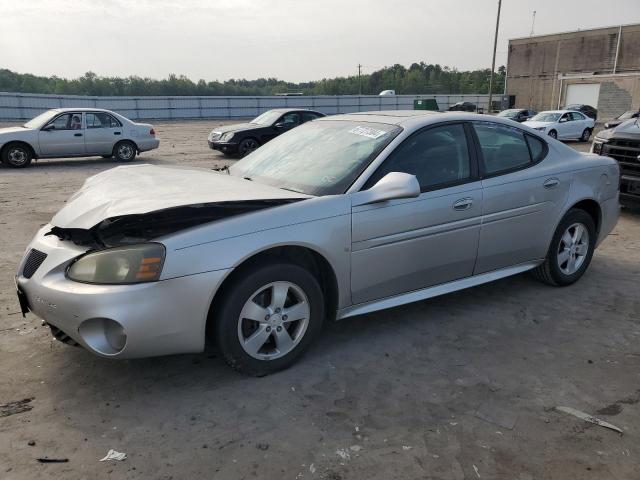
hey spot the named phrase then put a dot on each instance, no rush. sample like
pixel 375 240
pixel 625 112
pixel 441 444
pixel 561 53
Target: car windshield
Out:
pixel 267 118
pixel 40 119
pixel 317 158
pixel 508 113
pixel 546 117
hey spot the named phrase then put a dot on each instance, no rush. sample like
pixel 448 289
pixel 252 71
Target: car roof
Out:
pixel 285 110
pixel 410 119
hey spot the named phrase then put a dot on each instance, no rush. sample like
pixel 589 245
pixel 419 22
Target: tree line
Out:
pixel 419 78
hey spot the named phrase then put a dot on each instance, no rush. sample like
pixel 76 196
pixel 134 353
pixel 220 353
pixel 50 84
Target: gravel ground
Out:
pixel 458 387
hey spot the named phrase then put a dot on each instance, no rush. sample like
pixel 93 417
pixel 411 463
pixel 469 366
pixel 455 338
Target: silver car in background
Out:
pixel 339 217
pixel 75 132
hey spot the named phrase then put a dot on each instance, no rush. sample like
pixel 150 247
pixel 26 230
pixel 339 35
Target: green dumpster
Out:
pixel 425 104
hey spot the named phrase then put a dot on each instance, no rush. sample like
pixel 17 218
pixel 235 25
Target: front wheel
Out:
pixel 247 146
pixel 571 250
pixel 268 317
pixel 553 134
pixel 585 135
pixel 124 151
pixel 17 156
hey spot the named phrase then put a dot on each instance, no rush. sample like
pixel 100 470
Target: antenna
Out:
pixel 533 23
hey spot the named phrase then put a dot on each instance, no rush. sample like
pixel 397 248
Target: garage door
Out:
pixel 585 93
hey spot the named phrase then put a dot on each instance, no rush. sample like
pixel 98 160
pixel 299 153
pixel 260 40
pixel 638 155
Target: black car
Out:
pixel 463 107
pixel 518 114
pixel 588 110
pixel 621 118
pixel 243 138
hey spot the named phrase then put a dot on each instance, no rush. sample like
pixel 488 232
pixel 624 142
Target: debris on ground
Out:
pixel 52 460
pixel 31 443
pixel 588 418
pixel 406 447
pixel 113 455
pixel 343 454
pixel 475 469
pixel 262 446
pixel 312 468
pixel 18 406
pixel 355 448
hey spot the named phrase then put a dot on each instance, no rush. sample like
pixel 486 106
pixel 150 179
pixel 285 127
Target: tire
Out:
pixel 124 151
pixel 585 135
pixel 553 134
pixel 253 293
pixel 555 270
pixel 247 146
pixel 17 155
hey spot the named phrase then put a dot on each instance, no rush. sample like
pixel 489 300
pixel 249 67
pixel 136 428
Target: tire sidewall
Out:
pixel 555 134
pixel 117 156
pixel 586 133
pixel 572 216
pixel 225 328
pixel 250 139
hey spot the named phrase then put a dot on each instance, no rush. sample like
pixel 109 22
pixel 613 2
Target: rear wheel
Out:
pixel 571 250
pixel 585 135
pixel 17 155
pixel 124 151
pixel 553 134
pixel 268 318
pixel 247 146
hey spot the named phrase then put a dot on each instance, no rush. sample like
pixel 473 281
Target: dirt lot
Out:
pixel 459 387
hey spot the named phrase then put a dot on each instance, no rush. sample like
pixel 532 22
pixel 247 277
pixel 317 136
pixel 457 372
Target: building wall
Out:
pixel 538 67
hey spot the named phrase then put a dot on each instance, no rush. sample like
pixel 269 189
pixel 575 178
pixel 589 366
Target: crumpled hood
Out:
pixel 139 189
pixel 537 124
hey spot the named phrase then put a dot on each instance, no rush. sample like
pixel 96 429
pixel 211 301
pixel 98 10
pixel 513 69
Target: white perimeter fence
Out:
pixel 22 106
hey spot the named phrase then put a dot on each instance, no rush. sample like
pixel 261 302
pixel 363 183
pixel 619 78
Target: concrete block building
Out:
pixel 599 67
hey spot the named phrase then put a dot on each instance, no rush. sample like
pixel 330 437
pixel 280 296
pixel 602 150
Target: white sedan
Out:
pixel 75 132
pixel 563 124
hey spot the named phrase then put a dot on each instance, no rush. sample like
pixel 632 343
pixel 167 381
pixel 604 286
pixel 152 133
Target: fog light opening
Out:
pixel 104 335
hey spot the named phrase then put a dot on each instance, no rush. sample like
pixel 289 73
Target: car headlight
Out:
pixel 119 265
pixel 542 129
pixel 227 136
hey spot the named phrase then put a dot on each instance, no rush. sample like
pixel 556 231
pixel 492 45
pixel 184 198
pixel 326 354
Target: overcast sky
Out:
pixel 294 40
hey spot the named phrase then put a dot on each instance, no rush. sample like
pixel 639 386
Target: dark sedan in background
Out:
pixel 588 110
pixel 243 138
pixel 463 107
pixel 518 114
pixel 629 114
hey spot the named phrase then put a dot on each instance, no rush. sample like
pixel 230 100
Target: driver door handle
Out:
pixel 77 134
pixel 463 204
pixel 116 133
pixel 551 183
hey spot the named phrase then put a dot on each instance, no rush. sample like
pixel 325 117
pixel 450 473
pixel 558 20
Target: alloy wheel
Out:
pixel 573 248
pixel 125 151
pixel 273 320
pixel 248 146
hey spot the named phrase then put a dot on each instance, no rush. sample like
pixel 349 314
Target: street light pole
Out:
pixel 493 62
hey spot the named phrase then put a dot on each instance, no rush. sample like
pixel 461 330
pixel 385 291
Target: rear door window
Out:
pixel 503 148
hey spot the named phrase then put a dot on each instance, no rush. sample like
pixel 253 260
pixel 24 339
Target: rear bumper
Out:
pixel 146 145
pixel 225 147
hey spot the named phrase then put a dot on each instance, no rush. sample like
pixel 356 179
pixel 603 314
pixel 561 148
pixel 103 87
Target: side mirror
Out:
pixel 47 128
pixel 279 125
pixel 392 186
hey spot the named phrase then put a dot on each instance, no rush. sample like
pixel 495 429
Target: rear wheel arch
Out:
pixel 591 207
pixel 303 256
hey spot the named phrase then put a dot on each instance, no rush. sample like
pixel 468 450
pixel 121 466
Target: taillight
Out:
pixel 152 132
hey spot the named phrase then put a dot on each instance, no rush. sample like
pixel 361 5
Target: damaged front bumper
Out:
pixel 117 321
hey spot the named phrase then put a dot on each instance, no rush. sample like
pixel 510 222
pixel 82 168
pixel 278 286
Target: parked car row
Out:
pixel 340 216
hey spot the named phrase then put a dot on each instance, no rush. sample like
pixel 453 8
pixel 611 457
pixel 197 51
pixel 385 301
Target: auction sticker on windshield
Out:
pixel 367 132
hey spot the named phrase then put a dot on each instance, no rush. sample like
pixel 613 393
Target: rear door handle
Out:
pixel 551 182
pixel 116 133
pixel 463 204
pixel 77 134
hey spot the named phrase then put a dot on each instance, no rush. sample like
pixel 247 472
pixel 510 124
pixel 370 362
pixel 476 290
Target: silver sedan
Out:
pixel 75 132
pixel 340 217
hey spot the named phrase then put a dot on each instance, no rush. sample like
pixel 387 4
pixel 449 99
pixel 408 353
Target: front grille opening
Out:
pixel 62 337
pixel 33 262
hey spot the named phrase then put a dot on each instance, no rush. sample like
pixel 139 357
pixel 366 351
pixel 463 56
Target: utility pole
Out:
pixel 493 62
pixel 533 23
pixel 359 79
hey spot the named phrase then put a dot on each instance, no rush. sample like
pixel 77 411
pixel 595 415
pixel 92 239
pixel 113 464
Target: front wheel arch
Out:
pixel 21 143
pixel 303 256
